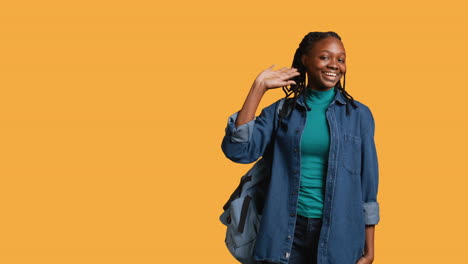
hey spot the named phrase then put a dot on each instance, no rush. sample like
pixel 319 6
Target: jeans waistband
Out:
pixel 309 224
pixel 310 218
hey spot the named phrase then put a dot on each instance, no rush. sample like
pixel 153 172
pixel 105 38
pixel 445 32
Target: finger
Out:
pixel 286 83
pixel 287 76
pixel 292 74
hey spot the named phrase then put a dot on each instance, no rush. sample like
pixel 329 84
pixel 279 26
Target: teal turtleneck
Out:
pixel 315 145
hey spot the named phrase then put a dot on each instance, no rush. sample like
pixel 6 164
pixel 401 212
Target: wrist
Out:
pixel 258 86
pixel 369 256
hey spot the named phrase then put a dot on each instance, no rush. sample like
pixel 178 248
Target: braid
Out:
pixel 348 97
pixel 299 88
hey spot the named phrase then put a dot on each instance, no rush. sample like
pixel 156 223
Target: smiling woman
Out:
pixel 325 63
pixel 321 203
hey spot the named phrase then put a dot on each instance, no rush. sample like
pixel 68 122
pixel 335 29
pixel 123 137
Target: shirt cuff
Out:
pixel 242 133
pixel 371 213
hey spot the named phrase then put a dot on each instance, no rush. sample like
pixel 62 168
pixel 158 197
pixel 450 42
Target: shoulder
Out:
pixel 274 107
pixel 365 116
pixel 363 109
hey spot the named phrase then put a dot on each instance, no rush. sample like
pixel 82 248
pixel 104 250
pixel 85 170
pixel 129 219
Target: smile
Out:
pixel 330 75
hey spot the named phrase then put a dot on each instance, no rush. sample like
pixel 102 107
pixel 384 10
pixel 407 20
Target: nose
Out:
pixel 332 65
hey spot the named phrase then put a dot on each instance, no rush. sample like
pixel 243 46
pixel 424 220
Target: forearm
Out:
pixel 247 112
pixel 369 247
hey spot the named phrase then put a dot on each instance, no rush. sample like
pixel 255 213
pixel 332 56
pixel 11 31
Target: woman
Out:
pixel 321 205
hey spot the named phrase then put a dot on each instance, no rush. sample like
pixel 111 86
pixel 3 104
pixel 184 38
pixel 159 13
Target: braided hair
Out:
pixel 299 88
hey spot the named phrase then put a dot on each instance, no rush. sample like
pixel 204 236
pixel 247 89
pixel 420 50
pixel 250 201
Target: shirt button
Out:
pixel 295 149
pixel 293 214
pixel 289 237
pixel 297 131
pixel 293 193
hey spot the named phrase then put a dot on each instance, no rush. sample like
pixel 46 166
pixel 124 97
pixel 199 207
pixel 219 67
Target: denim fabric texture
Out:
pixel 351 184
pixel 305 243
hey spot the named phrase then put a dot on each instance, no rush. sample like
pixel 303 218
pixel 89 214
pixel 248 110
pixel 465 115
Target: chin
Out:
pixel 328 86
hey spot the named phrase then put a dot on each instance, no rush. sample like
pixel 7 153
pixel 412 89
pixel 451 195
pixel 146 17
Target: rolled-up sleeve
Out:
pixel 247 142
pixel 242 133
pixel 370 172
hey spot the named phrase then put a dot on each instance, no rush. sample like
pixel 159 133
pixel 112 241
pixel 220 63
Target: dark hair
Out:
pixel 299 88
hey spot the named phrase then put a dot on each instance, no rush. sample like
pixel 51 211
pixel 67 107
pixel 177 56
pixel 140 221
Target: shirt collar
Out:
pixel 339 97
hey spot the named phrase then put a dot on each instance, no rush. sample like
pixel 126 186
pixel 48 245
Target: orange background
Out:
pixel 112 115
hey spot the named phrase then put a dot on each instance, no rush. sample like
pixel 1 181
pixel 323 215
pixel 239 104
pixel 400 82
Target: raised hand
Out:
pixel 267 79
pixel 270 78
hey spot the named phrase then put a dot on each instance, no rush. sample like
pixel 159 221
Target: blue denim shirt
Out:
pixel 350 199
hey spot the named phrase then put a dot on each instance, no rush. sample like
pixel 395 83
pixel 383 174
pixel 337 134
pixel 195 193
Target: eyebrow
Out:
pixel 332 52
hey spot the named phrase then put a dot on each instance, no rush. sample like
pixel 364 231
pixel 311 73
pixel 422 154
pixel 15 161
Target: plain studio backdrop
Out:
pixel 112 115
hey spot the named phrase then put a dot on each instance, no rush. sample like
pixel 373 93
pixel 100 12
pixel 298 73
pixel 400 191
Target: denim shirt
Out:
pixel 350 198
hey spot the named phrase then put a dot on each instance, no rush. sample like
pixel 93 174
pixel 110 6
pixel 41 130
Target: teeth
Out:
pixel 330 74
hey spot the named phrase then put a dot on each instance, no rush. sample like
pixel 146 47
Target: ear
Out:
pixel 303 59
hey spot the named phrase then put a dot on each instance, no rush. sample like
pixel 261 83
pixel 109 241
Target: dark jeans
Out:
pixel 305 244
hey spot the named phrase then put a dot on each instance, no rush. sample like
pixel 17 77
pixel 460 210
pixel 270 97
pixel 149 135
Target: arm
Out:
pixel 369 181
pixel 267 79
pixel 247 112
pixel 369 248
pixel 369 171
pixel 247 137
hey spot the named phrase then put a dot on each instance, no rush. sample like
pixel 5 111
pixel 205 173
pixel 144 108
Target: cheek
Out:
pixel 319 63
pixel 315 68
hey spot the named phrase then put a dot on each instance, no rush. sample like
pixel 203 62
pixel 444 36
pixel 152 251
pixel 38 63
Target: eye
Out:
pixel 323 57
pixel 341 60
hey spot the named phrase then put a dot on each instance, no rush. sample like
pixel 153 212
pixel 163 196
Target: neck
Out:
pixel 320 89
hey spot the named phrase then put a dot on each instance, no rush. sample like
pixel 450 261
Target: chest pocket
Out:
pixel 352 154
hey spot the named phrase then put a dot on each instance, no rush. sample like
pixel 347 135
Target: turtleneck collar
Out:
pixel 314 97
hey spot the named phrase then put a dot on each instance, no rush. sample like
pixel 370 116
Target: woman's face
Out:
pixel 325 63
